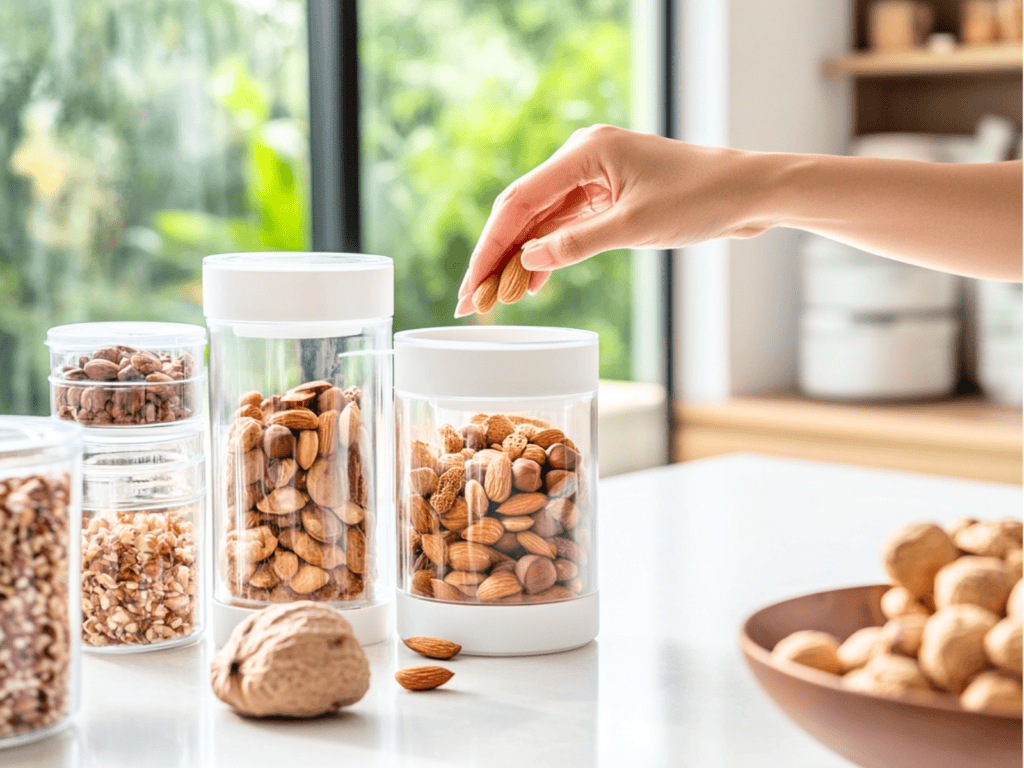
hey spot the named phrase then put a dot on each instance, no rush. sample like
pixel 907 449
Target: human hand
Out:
pixel 609 188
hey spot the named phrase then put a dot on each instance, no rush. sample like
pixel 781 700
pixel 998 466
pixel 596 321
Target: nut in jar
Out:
pixel 298 514
pixel 495 511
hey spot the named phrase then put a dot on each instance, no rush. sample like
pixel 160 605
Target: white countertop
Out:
pixel 687 552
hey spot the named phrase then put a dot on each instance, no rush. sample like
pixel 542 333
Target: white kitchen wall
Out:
pixel 749 75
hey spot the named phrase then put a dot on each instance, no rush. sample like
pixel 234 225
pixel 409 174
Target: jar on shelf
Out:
pixel 126 374
pixel 143 508
pixel 497 469
pixel 40 497
pixel 300 399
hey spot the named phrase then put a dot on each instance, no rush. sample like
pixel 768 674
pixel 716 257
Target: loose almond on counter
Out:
pixel 433 647
pixel 423 678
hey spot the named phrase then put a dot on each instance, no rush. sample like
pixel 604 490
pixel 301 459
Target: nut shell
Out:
pixel 294 660
pixel 914 553
pixel 952 646
pixel 818 650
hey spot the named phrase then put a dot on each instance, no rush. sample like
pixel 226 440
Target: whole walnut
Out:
pixel 810 648
pixel 1015 602
pixel 887 675
pixel 1015 562
pixel 981 581
pixel 952 646
pixel 913 555
pixel 903 634
pixel 994 539
pixel 294 660
pixel 993 691
pixel 860 647
pixel 1003 644
pixel 899 602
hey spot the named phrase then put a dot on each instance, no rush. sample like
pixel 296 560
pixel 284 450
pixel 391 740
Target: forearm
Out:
pixel 964 219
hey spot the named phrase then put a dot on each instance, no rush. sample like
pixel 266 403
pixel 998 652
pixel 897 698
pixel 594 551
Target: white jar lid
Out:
pixel 491 361
pixel 297 287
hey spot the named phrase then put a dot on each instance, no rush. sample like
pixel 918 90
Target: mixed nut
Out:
pixel 297 501
pixel 139 576
pixel 35 619
pixel 495 512
pixel 122 386
pixel 953 620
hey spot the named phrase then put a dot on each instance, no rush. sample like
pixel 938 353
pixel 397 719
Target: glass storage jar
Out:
pixel 497 471
pixel 126 374
pixel 40 496
pixel 300 394
pixel 143 504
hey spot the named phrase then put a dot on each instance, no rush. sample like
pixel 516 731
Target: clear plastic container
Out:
pixel 143 509
pixel 497 472
pixel 126 374
pixel 40 496
pixel 300 396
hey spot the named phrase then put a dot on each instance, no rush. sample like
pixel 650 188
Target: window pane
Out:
pixel 460 97
pixel 136 137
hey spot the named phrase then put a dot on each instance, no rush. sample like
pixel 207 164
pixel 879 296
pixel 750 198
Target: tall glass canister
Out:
pixel 497 468
pixel 300 401
pixel 40 518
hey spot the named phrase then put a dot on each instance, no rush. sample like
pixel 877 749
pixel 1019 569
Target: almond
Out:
pixel 565 569
pixel 249 433
pixel 514 280
pixel 422 455
pixel 282 501
pixel 423 481
pixel 421 583
pixel 435 549
pixel 422 516
pixel 536 545
pixel 498 480
pixel 348 426
pixel 499 585
pixel 507 543
pixel 432 647
pixel 350 513
pixel 536 573
pixel 308 579
pixel 326 484
pixel 252 398
pixel 331 399
pixel 316 387
pixel 442 590
pixel 464 578
pixel 296 418
pixel 476 500
pixel 264 578
pixel 298 399
pixel 99 369
pixel 278 442
pixel 307 448
pixel 327 433
pixel 536 454
pixel 466 556
pixel 486 294
pixel 423 678
pixel 321 524
pixel 456 518
pixel 517 524
pixel 285 564
pixel 281 472
pixel 486 531
pixel 548 437
pixel 355 550
pixel 522 504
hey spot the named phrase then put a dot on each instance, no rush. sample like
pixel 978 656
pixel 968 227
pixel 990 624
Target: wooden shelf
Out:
pixel 963 437
pixel 962 60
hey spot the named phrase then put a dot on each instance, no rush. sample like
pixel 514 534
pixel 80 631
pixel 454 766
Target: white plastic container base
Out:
pixel 370 624
pixel 850 357
pixel 499 630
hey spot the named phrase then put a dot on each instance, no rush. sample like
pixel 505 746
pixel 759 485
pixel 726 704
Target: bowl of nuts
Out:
pixel 922 672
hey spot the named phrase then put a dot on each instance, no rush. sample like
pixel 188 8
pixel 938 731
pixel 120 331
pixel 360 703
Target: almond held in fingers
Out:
pixel 515 279
pixel 423 678
pixel 486 295
pixel 433 647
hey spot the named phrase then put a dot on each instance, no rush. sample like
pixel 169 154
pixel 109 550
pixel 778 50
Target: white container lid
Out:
pixel 29 435
pixel 87 337
pixel 496 361
pixel 297 287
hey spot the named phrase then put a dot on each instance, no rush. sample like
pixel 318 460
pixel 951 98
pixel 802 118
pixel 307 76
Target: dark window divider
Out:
pixel 668 117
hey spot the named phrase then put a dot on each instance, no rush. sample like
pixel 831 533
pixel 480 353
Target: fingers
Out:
pixel 576 242
pixel 521 205
pixel 537 281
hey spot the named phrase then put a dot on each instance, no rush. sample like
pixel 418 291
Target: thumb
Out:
pixel 575 242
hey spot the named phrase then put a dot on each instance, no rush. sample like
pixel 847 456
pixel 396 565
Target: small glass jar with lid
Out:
pixel 40 496
pixel 126 374
pixel 497 468
pixel 300 398
pixel 143 509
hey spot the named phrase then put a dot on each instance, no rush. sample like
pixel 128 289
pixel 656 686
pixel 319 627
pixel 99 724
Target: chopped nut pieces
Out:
pixel 121 386
pixel 139 577
pixel 298 515
pixel 35 620
pixel 495 526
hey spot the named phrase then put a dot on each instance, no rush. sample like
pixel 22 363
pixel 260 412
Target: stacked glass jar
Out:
pixel 40 473
pixel 138 389
pixel 497 473
pixel 300 393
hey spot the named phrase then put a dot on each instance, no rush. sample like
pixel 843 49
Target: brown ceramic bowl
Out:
pixel 871 731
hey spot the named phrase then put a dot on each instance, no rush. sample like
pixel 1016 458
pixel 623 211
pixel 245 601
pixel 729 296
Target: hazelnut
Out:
pixel 993 692
pixel 526 475
pixel 952 646
pixel 294 660
pixel 1003 644
pixel 278 442
pixel 818 650
pixel 914 553
pixel 981 581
